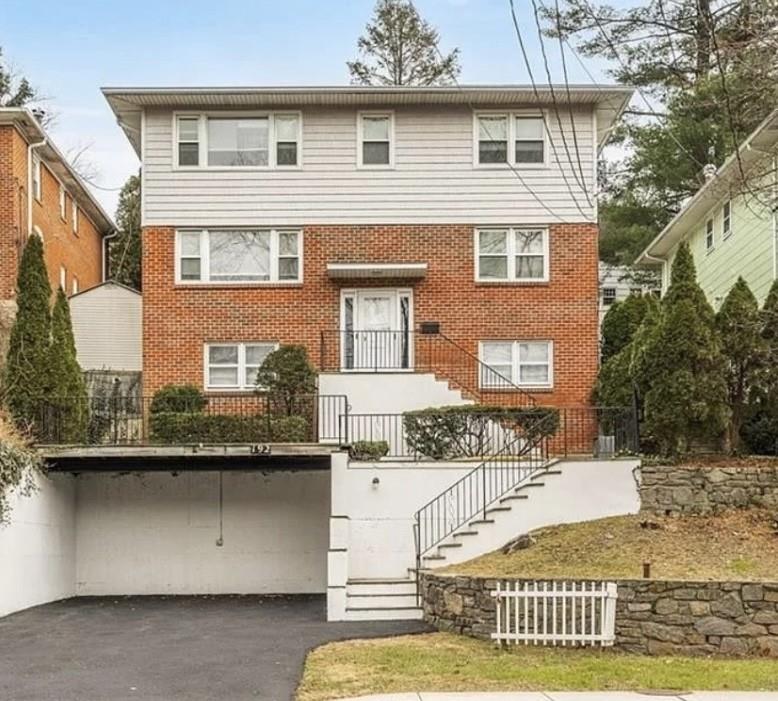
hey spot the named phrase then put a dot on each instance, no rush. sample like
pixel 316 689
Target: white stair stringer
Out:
pixel 382 600
pixel 561 492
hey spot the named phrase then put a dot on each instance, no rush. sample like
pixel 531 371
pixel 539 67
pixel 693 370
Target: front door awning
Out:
pixel 351 271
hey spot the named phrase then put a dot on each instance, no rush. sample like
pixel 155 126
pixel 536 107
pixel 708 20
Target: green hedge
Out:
pixel 178 398
pixel 473 430
pixel 182 427
pixel 368 450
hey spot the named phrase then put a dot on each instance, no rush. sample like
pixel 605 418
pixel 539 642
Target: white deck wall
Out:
pixel 38 547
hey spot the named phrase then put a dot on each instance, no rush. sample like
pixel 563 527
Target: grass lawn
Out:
pixel 446 662
pixel 737 545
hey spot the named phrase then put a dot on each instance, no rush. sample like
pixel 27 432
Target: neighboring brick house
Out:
pixel 349 219
pixel 41 194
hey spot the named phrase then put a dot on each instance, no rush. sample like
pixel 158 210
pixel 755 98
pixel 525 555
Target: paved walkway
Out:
pixel 578 696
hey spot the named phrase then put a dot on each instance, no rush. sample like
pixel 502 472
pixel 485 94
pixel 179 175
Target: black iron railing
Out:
pixel 584 431
pixel 422 351
pixel 220 418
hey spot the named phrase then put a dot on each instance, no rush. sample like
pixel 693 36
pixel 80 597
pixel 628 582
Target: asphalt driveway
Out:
pixel 168 648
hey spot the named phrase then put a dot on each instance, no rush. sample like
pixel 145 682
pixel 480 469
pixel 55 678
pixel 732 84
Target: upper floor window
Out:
pixel 74 215
pixel 608 296
pixel 188 141
pixel 506 255
pixel 74 286
pixel 375 139
pixel 37 189
pixel 521 363
pixel 269 140
pixel 63 278
pixel 709 235
pixel 726 220
pixel 239 256
pixel 63 210
pixel 516 139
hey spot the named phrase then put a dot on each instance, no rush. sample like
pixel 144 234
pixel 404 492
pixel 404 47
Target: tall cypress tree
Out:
pixel 620 324
pixel 26 378
pixel 68 389
pixel 740 329
pixel 686 398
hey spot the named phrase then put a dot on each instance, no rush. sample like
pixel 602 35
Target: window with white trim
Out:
pixel 63 208
pixel 517 139
pixel 529 142
pixel 188 141
pixel 234 256
pixel 522 363
pixel 726 219
pixel 709 235
pixel 63 278
pixel 234 366
pixel 37 189
pixel 74 286
pixel 269 140
pixel 375 139
pixel 511 255
pixel 74 215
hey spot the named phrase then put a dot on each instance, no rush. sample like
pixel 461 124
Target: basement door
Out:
pixel 377 330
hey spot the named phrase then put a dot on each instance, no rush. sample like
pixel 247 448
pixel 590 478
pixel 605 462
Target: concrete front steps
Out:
pixel 382 600
pixel 518 511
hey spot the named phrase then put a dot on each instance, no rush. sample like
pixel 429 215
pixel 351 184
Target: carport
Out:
pixel 198 520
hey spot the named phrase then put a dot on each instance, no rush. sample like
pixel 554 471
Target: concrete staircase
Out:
pixel 382 600
pixel 492 529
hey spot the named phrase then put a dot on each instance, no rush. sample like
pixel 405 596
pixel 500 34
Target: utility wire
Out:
pixel 617 56
pixel 515 172
pixel 543 116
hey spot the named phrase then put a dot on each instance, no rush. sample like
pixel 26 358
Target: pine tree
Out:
pixel 68 389
pixel 760 428
pixel 683 366
pixel 740 329
pixel 620 324
pixel 400 48
pixel 26 378
pixel 124 262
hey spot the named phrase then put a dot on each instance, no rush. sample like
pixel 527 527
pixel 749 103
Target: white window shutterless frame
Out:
pixel 516 363
pixel 375 140
pixel 376 330
pixel 271 140
pixel 239 256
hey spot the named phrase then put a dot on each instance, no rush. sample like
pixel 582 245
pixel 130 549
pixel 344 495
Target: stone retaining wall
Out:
pixel 689 618
pixel 687 490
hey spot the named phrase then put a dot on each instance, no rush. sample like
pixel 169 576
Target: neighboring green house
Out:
pixel 730 223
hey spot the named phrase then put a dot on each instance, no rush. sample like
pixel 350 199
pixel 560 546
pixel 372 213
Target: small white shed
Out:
pixel 108 327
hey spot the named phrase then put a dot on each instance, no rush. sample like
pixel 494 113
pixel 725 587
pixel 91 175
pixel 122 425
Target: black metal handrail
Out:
pixel 423 351
pixel 216 419
pixel 470 496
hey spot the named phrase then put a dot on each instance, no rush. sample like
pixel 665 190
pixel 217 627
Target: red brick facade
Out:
pixel 80 253
pixel 180 319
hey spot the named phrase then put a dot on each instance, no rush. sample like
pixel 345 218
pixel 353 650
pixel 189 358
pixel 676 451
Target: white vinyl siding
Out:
pixel 433 180
pixel 234 366
pixel 238 256
pixel 523 363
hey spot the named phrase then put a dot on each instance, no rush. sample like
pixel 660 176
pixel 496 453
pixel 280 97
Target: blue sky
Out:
pixel 69 50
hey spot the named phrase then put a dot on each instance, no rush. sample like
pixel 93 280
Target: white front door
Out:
pixel 377 330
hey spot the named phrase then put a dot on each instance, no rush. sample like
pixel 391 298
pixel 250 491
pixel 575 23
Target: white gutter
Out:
pixel 104 250
pixel 30 193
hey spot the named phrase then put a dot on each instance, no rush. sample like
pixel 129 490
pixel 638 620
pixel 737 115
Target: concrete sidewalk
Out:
pixel 577 696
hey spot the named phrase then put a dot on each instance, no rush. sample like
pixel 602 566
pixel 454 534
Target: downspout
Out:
pixel 30 193
pixel 104 248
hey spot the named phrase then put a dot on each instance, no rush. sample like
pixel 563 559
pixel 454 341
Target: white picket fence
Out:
pixel 552 613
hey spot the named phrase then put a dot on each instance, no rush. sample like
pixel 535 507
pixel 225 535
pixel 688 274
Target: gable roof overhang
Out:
pixel 762 141
pixel 32 132
pixel 128 104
